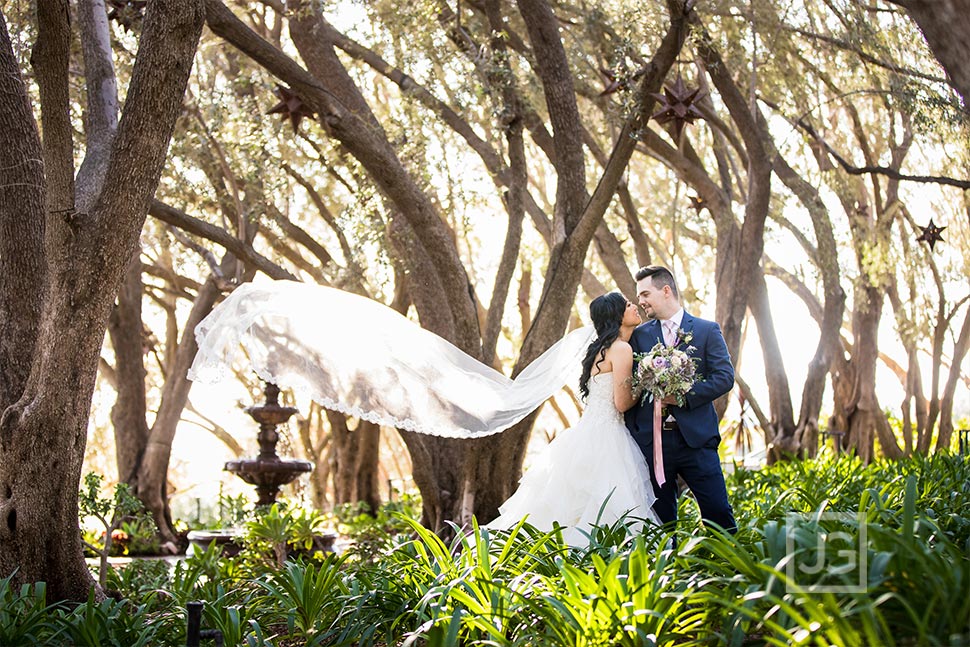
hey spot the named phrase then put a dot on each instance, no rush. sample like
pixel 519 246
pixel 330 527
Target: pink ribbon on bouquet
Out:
pixel 658 452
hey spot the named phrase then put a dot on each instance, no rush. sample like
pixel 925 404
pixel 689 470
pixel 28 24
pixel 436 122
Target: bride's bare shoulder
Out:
pixel 621 347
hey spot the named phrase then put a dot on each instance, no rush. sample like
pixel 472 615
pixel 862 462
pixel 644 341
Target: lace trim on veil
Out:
pixel 356 356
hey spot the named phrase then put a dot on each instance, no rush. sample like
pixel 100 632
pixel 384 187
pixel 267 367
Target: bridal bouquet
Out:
pixel 665 371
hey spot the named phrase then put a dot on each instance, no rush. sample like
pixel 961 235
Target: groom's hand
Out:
pixel 669 400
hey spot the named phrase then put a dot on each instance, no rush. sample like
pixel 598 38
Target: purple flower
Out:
pixel 659 362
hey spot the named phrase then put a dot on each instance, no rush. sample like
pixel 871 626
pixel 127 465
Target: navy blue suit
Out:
pixel 691 450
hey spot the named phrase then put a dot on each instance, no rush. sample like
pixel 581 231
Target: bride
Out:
pixel 594 472
pixel 295 335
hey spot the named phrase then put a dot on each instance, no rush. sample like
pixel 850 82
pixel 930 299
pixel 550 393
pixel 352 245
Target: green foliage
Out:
pixel 109 623
pixel 92 502
pixel 307 595
pixel 142 579
pixel 838 484
pixel 370 532
pixel 792 575
pixel 230 610
pixel 281 530
pixel 233 510
pixel 24 614
pixel 127 526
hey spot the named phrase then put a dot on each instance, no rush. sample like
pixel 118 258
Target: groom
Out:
pixel 689 437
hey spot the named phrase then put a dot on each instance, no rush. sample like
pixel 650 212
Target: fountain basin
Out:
pixel 228 539
pixel 268 474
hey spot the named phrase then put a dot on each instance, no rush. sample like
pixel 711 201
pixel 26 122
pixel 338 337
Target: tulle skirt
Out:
pixel 591 474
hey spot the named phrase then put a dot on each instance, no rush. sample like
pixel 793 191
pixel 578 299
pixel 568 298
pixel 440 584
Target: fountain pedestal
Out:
pixel 268 472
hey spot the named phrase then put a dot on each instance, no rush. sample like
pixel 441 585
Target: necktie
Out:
pixel 669 336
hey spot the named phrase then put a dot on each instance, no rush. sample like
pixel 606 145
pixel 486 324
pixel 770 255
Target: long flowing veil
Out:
pixel 357 356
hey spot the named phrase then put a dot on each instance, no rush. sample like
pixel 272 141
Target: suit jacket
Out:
pixel 697 419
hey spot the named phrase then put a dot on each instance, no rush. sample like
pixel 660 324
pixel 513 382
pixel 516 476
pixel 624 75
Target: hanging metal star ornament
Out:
pixel 127 12
pixel 697 203
pixel 291 106
pixel 677 105
pixel 613 84
pixel 931 234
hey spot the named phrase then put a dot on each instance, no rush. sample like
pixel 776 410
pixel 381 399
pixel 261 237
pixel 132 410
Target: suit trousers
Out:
pixel 700 467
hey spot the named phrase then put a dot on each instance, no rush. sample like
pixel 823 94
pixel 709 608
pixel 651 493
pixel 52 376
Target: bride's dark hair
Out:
pixel 607 314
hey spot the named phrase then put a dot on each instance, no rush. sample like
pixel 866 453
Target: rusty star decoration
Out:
pixel 127 12
pixel 613 84
pixel 291 106
pixel 677 105
pixel 931 234
pixel 697 203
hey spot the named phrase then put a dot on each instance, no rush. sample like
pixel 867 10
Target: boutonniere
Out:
pixel 684 337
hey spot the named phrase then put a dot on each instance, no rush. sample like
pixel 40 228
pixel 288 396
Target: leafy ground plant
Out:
pixel 404 585
pixel 112 513
pixel 25 617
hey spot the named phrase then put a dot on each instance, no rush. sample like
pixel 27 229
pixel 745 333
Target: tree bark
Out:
pixel 151 479
pixel 42 435
pixel 740 254
pixel 946 402
pixel 946 26
pixel 518 183
pixel 101 121
pixel 552 67
pixel 22 195
pixel 805 437
pixel 782 419
pixel 355 459
pixel 857 412
pixel 128 415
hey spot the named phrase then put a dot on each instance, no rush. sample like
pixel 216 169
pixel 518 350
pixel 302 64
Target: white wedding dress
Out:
pixel 592 473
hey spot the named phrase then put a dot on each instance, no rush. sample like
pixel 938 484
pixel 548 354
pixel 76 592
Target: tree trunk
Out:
pixel 518 184
pixel 42 435
pixel 151 479
pixel 101 116
pixel 22 194
pixel 43 446
pixel 739 254
pixel 856 407
pixel 805 437
pixel 355 459
pixel 779 395
pixel 128 415
pixel 40 424
pixel 946 402
pixel 946 26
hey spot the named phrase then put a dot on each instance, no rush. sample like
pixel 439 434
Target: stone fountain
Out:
pixel 268 472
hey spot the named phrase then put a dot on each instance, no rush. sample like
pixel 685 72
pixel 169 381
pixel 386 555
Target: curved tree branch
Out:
pixel 241 250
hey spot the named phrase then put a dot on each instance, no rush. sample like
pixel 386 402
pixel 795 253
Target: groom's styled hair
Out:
pixel 660 276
